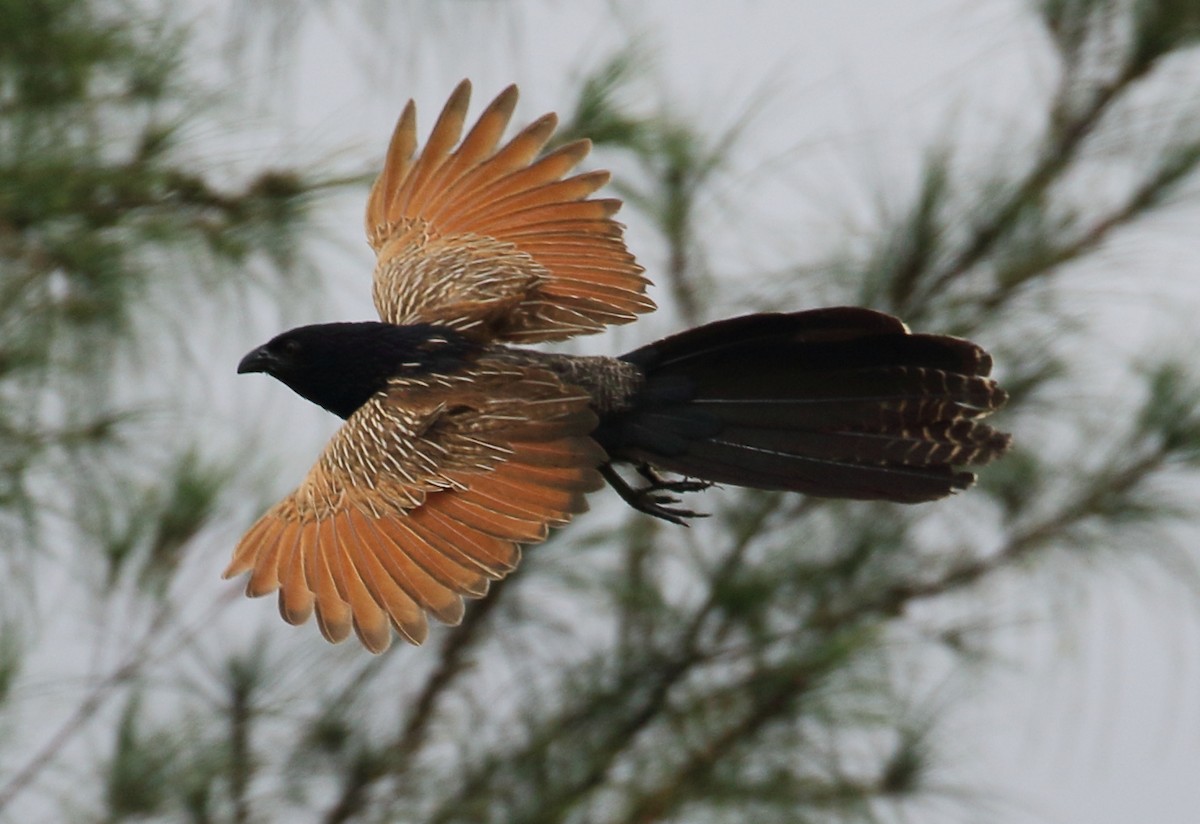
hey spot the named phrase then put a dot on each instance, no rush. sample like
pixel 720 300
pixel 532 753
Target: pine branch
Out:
pixel 616 714
pixel 1151 193
pixel 1075 115
pixel 97 696
pixel 243 678
pixel 1104 496
pixel 398 755
pixel 772 701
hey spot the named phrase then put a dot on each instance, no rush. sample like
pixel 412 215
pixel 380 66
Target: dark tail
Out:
pixel 842 403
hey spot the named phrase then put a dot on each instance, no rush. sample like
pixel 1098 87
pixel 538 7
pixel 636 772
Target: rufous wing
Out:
pixel 423 497
pixel 492 239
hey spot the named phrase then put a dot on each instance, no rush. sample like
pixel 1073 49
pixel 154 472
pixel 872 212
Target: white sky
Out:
pixel 1100 725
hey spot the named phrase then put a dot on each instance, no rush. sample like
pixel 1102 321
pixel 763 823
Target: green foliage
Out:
pixel 600 116
pixel 99 210
pixel 915 239
pixel 144 531
pixel 137 779
pixel 1161 27
pixel 94 199
pixel 10 658
pixel 1170 416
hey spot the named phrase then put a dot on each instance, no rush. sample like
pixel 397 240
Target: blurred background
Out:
pixel 181 181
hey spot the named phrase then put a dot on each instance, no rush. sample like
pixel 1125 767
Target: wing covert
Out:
pixel 492 239
pixel 422 498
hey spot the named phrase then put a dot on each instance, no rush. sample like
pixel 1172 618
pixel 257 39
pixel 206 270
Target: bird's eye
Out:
pixel 291 346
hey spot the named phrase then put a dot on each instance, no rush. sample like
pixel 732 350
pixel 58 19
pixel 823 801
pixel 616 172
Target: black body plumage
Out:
pixel 339 366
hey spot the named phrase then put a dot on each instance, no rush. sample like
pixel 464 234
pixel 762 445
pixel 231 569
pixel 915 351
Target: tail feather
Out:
pixel 739 465
pixel 832 402
pixel 895 397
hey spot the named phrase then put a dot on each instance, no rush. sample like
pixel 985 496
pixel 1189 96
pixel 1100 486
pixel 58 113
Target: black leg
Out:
pixel 647 498
pixel 658 482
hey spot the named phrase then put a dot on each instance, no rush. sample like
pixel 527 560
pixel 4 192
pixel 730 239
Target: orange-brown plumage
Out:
pixel 492 240
pixel 422 498
pixel 458 450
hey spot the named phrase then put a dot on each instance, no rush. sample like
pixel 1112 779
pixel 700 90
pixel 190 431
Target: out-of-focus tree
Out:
pixel 752 667
pixel 111 236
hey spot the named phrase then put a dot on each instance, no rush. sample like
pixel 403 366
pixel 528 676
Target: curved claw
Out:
pixel 658 482
pixel 644 499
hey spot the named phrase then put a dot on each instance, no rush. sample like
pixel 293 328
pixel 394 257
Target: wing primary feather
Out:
pixel 513 155
pixel 265 578
pixel 472 154
pixel 406 614
pixel 248 548
pixel 333 613
pixel 265 559
pixel 395 166
pixel 423 587
pixel 483 137
pixel 553 193
pixel 601 229
pixel 462 199
pixel 369 588
pixel 524 146
pixel 371 624
pixel 295 598
pixel 594 209
pixel 529 503
pixel 426 170
pixel 489 553
pixel 434 570
pixel 457 191
pixel 473 516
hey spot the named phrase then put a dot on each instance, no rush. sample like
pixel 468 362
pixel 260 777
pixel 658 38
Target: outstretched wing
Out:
pixel 423 497
pixel 492 241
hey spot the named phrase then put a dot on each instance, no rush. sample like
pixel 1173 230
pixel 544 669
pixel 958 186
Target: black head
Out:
pixel 339 366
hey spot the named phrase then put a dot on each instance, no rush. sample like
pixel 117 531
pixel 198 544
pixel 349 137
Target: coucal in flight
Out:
pixel 459 445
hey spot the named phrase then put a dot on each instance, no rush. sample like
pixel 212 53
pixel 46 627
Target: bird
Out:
pixel 461 445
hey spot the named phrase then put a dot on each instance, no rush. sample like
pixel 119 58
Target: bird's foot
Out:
pixel 655 498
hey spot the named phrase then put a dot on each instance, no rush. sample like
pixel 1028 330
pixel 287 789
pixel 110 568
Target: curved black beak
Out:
pixel 260 360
